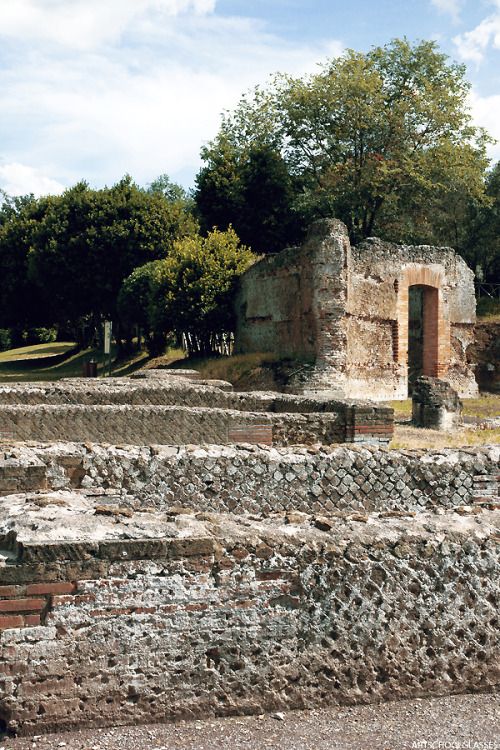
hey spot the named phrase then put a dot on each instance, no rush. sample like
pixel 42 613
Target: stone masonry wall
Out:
pixel 138 412
pixel 164 390
pixel 382 273
pixel 116 619
pixel 256 479
pixel 346 311
pixel 147 582
pixel 295 302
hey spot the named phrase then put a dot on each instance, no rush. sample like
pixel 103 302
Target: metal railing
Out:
pixel 487 290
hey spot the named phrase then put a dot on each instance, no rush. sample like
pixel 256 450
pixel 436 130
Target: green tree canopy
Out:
pixel 482 237
pixel 172 192
pixel 375 139
pixel 251 190
pixel 88 241
pixel 21 301
pixel 133 305
pixel 192 290
pixel 77 248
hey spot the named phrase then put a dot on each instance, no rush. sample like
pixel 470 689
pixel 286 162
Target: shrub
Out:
pixel 40 336
pixel 5 339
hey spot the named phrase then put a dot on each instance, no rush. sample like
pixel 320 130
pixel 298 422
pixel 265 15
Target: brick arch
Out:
pixel 437 347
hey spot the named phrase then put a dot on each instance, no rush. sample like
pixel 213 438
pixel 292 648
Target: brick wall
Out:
pixel 213 616
pixel 349 310
pixel 27 605
pixel 21 471
pixel 294 303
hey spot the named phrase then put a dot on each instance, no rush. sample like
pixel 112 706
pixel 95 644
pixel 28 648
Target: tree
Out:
pixel 253 192
pixel 84 243
pixel 192 290
pixel 133 305
pixel 21 303
pixel 482 241
pixel 375 139
pixel 172 192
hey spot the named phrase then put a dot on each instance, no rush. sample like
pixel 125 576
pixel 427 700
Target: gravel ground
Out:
pixel 466 722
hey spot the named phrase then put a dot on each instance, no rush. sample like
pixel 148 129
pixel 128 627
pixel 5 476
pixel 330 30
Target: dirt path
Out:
pixel 453 723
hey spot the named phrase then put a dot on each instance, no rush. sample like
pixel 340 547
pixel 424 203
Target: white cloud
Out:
pixel 18 179
pixel 86 24
pixel 472 45
pixel 484 110
pixel 451 7
pixel 144 106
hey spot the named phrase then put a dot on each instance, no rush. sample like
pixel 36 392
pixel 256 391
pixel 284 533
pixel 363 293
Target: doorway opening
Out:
pixel 423 302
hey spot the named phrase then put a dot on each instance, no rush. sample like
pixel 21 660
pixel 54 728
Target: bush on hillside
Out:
pixel 5 339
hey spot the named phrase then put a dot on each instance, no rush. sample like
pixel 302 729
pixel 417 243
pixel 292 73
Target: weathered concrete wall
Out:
pixel 116 619
pixel 139 412
pixel 351 313
pixel 255 479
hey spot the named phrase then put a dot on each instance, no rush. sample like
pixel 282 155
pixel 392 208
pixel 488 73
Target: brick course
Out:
pixel 230 617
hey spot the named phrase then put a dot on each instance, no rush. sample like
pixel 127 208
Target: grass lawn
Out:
pixel 24 365
pixel 485 407
pixel 36 351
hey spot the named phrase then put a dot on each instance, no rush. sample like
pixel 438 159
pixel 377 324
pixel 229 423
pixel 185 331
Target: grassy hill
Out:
pixel 59 360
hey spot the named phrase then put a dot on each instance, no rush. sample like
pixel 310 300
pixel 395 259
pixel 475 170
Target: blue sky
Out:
pixel 95 89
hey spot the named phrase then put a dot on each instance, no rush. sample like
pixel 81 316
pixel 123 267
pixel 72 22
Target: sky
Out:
pixel 96 89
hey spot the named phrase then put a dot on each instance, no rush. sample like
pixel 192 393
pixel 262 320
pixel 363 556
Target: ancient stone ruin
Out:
pixel 245 559
pixel 168 409
pixel 435 405
pixel 370 318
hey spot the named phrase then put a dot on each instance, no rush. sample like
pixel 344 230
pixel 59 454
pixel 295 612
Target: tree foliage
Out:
pixel 172 192
pixel 252 191
pixel 77 248
pixel 378 139
pixel 21 302
pixel 481 246
pixel 133 305
pixel 191 291
pixel 88 241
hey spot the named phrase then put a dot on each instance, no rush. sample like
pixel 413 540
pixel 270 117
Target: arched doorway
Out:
pixel 422 334
pixel 423 313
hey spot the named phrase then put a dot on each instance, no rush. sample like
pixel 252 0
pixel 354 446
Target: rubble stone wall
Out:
pixel 347 310
pixel 171 413
pixel 255 479
pixel 215 616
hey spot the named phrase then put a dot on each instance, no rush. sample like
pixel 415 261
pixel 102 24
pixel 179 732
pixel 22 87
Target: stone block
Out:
pixel 435 405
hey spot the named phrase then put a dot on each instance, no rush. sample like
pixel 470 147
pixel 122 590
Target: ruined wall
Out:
pixel 379 325
pixel 255 479
pixel 138 412
pixel 280 316
pixel 484 354
pixel 294 303
pixel 351 313
pixel 150 618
